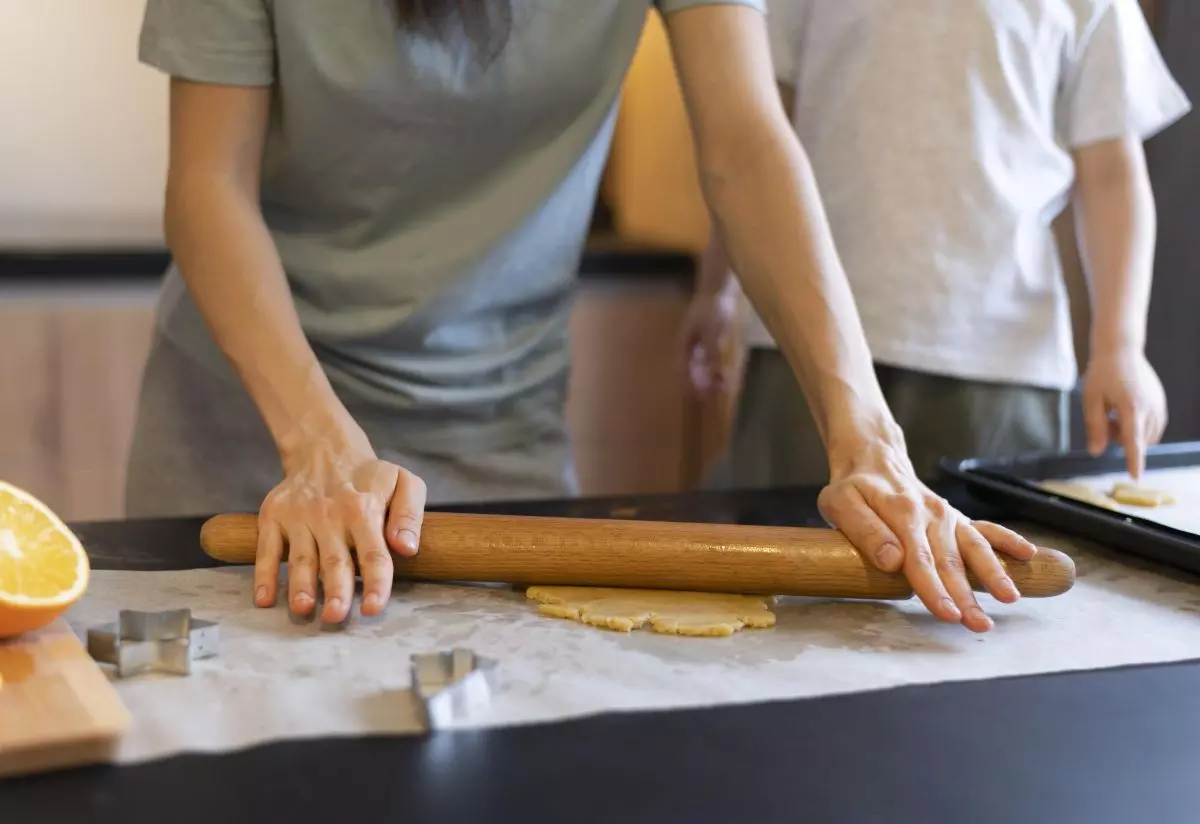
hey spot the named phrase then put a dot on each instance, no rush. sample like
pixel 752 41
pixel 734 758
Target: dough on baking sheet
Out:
pixel 1134 495
pixel 705 614
pixel 1079 492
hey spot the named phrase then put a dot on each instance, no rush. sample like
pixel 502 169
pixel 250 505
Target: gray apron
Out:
pixel 200 447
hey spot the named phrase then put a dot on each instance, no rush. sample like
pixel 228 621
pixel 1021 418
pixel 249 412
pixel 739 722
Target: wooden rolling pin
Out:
pixel 527 550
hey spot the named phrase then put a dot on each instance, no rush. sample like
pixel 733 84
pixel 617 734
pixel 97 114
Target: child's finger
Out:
pixel 1095 419
pixel 1132 440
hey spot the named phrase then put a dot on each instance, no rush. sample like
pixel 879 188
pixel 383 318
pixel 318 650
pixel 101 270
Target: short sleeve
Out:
pixel 1116 83
pixel 210 41
pixel 784 22
pixel 671 6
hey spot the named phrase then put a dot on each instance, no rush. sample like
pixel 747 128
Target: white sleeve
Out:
pixel 1116 82
pixel 784 19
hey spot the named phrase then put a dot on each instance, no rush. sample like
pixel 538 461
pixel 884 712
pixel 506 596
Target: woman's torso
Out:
pixel 429 198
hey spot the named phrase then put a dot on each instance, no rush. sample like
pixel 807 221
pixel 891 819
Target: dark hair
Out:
pixel 486 24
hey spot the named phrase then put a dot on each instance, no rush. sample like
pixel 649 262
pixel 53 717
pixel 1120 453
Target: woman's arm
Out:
pixel 216 233
pixel 335 492
pixel 768 214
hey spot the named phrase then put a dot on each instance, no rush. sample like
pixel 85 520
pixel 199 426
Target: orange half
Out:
pixel 43 566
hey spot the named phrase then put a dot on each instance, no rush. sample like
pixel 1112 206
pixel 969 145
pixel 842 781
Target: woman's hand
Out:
pixel 1123 402
pixel 898 523
pixel 337 495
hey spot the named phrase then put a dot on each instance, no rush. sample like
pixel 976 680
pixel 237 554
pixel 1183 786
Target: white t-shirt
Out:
pixel 940 132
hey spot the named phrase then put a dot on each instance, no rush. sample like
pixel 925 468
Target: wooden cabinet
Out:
pixel 635 425
pixel 71 359
pixel 70 363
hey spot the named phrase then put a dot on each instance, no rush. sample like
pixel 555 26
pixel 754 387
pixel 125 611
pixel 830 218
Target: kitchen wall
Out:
pixel 1173 336
pixel 83 141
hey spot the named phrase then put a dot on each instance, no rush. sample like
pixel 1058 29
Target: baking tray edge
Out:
pixel 1006 483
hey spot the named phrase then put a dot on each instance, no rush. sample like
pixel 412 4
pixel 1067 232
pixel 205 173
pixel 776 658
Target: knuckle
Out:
pixel 938 507
pixel 923 555
pixel 334 562
pixel 829 500
pixel 273 507
pixel 327 510
pixel 375 558
pixel 902 504
pixel 412 483
pixel 975 539
pixel 354 507
pixel 950 565
pixel 302 557
pixel 875 534
pixel 404 517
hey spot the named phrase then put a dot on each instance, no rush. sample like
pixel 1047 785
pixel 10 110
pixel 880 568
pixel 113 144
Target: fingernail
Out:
pixel 372 601
pixel 260 594
pixel 1009 588
pixel 889 555
pixel 951 608
pixel 408 540
pixel 302 599
pixel 978 614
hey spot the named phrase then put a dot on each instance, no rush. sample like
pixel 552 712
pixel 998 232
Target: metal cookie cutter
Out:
pixel 452 685
pixel 142 642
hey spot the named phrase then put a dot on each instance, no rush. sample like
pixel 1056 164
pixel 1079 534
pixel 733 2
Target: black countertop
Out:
pixel 606 256
pixel 1118 745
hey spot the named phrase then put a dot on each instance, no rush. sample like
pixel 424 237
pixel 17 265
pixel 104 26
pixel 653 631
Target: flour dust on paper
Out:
pixel 700 614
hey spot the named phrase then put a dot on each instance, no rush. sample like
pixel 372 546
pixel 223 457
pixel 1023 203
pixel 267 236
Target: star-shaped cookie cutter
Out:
pixel 143 642
pixel 452 685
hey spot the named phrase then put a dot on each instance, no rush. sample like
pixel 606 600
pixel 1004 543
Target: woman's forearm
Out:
pixel 770 219
pixel 216 232
pixel 232 270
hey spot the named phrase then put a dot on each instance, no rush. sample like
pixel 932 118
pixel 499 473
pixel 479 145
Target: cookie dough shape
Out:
pixel 1133 495
pixel 703 614
pixel 1079 492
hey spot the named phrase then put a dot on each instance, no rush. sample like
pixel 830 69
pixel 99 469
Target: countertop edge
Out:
pixel 602 259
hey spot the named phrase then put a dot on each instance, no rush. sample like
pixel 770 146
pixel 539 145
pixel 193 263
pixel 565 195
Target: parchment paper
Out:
pixel 277 678
pixel 1183 483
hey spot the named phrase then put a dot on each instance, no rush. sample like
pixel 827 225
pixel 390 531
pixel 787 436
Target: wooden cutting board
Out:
pixel 57 707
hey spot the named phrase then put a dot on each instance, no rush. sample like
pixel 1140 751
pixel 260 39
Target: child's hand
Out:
pixel 1123 402
pixel 706 330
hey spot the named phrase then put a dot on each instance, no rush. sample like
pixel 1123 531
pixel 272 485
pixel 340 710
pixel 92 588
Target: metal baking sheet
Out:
pixel 1168 534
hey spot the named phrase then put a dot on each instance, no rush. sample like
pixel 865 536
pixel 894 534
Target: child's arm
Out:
pixel 710 320
pixel 1115 211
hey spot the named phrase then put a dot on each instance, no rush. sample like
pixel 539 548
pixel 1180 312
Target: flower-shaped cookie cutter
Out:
pixel 144 642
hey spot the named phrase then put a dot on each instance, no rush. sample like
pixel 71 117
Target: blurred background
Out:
pixel 82 167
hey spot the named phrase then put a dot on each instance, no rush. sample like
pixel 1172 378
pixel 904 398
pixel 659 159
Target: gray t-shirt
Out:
pixel 430 201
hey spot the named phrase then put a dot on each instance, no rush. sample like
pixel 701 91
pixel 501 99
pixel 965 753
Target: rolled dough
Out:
pixel 1133 495
pixel 672 613
pixel 1079 492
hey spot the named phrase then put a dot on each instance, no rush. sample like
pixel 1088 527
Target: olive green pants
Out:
pixel 775 441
